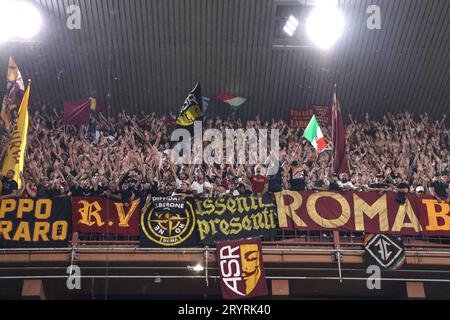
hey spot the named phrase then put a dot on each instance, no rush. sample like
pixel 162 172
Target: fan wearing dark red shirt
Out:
pixel 259 182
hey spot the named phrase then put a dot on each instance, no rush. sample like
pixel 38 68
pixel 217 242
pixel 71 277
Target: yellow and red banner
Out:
pixel 102 215
pixel 241 268
pixel 362 212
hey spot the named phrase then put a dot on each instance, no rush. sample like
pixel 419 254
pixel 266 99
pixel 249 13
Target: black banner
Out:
pixel 168 222
pixel 235 218
pixel 386 251
pixel 34 223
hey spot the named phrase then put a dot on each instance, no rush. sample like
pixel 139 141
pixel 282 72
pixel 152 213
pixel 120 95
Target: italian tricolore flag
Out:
pixel 233 101
pixel 314 134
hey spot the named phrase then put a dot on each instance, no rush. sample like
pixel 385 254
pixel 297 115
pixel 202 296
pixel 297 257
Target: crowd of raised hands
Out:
pixel 129 156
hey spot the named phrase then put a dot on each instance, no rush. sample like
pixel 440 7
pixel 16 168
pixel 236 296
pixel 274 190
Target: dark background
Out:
pixel 149 55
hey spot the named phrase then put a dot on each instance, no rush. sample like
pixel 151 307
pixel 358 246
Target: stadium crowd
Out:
pixel 127 156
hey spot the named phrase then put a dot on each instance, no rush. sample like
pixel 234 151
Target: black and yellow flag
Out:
pixel 193 109
pixel 15 153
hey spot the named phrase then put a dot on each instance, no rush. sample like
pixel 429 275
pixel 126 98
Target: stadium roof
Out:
pixel 149 54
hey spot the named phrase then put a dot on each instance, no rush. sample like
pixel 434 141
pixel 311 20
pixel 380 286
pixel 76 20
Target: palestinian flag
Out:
pixel 233 101
pixel 314 134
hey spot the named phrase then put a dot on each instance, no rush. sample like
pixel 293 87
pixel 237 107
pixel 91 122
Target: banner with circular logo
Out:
pixel 168 222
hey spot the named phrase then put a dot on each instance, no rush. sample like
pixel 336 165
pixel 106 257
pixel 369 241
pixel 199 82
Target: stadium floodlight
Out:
pixel 325 24
pixel 20 20
pixel 290 26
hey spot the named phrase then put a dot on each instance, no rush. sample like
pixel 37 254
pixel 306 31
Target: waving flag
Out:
pixel 193 109
pixel 14 91
pixel 314 134
pixel 95 105
pixel 340 160
pixel 233 101
pixel 15 152
pixel 79 112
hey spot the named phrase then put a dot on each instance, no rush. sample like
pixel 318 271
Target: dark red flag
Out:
pixel 340 160
pixel 241 268
pixel 77 112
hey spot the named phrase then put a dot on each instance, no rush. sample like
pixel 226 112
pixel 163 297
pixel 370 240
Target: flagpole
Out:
pixel 108 149
pixel 336 237
pixel 332 129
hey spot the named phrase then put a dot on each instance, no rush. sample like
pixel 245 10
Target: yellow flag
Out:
pixel 93 103
pixel 15 153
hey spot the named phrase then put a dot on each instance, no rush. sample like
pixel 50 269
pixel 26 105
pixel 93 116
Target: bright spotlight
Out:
pixel 20 19
pixel 6 22
pixel 325 24
pixel 30 17
pixel 290 26
pixel 197 268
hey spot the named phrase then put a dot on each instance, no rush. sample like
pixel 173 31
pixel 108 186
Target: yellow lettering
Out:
pixel 5 229
pixel 231 205
pixel 403 211
pixel 203 228
pixel 434 216
pixel 47 204
pixel 220 204
pixel 285 211
pixel 25 205
pixel 59 230
pixel 90 211
pixel 7 205
pixel 236 225
pixel 378 208
pixel 124 217
pixel 328 223
pixel 246 223
pixel 22 232
pixel 242 204
pixel 208 205
pixel 224 227
pixel 40 230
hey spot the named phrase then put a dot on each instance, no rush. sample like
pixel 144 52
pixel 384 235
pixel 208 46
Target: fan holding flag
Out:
pixel 314 134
